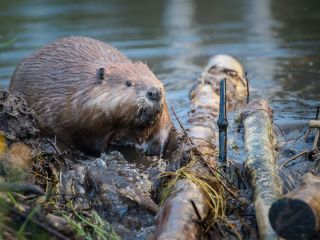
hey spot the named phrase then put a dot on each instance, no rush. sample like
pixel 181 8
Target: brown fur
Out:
pixel 60 83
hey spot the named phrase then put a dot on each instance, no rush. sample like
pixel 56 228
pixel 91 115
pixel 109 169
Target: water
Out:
pixel 278 42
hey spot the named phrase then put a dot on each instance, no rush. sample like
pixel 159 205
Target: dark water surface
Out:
pixel 278 41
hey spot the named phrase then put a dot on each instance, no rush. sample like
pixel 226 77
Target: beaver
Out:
pixel 88 93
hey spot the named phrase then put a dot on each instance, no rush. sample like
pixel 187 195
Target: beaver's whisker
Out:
pixel 139 110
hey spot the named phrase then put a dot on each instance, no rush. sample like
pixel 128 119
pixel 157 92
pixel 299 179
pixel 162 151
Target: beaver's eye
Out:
pixel 128 83
pixel 100 75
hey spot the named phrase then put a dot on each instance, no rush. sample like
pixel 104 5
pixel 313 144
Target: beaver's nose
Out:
pixel 154 94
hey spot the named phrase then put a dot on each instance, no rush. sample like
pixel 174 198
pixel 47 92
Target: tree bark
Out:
pixel 297 215
pixel 177 218
pixel 314 124
pixel 260 163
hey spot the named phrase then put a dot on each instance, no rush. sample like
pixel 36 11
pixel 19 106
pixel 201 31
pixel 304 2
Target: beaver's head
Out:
pixel 128 93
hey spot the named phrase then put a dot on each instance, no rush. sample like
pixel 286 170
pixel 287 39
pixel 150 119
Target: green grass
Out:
pixel 90 227
pixel 83 225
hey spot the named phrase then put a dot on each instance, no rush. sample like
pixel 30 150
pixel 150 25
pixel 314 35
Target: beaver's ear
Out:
pixel 100 75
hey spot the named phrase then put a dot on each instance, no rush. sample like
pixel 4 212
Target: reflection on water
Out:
pixel 277 41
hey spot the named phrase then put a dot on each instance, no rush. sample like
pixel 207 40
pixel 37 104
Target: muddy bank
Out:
pixel 117 190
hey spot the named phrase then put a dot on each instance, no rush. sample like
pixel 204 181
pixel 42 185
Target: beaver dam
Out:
pixel 236 178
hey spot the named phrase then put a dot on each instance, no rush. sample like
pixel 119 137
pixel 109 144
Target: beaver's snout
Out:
pixel 148 114
pixel 154 94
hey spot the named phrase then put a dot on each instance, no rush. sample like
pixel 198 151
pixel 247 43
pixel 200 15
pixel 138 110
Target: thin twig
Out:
pixel 248 90
pixel 292 158
pixel 47 228
pixel 233 230
pixel 222 232
pixel 181 126
pixel 39 175
pixel 306 134
pixel 54 145
pixel 196 210
pixel 316 139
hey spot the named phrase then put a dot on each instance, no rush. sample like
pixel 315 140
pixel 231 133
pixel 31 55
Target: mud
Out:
pixel 124 187
pixel 17 121
pixel 115 189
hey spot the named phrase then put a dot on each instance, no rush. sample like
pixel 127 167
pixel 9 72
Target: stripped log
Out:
pixel 297 215
pixel 260 141
pixel 314 124
pixel 177 218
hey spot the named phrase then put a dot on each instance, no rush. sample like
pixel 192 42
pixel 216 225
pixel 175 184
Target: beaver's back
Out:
pixel 48 78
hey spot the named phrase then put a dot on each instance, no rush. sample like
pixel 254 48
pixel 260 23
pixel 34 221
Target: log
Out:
pixel 260 141
pixel 297 215
pixel 314 124
pixel 177 218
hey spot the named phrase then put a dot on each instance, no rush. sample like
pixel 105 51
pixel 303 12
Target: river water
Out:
pixel 278 41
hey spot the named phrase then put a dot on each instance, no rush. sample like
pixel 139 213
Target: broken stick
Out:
pixel 297 215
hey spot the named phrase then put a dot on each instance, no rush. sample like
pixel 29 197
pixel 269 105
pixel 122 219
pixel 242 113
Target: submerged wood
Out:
pixel 260 141
pixel 177 218
pixel 297 215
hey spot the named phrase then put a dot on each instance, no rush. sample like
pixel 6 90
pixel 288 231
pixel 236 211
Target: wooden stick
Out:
pixel 297 215
pixel 293 158
pixel 314 124
pixel 316 139
pixel 223 123
pixel 248 89
pixel 177 218
pixel 260 143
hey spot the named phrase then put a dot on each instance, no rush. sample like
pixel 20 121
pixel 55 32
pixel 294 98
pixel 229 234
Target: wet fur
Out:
pixel 60 83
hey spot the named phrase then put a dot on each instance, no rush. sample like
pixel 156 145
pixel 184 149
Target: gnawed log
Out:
pixel 260 163
pixel 177 218
pixel 297 215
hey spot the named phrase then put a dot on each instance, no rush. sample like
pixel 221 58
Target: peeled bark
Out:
pixel 260 143
pixel 314 124
pixel 297 215
pixel 177 219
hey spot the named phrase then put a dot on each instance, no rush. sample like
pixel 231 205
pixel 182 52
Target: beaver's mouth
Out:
pixel 148 115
